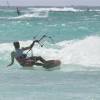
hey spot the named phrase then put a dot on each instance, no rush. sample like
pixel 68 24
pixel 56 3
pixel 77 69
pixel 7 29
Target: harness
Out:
pixel 25 61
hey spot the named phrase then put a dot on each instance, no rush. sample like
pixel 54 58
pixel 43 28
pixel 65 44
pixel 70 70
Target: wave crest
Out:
pixel 85 52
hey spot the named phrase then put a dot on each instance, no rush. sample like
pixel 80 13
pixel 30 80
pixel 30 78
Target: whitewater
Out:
pixel 75 42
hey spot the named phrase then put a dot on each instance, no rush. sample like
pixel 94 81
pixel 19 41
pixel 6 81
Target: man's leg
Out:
pixel 39 64
pixel 36 58
pixel 41 59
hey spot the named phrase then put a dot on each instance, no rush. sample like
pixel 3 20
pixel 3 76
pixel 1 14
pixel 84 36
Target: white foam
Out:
pixel 56 9
pixel 28 15
pixel 85 52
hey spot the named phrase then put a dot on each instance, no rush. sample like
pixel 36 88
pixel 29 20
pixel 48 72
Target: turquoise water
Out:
pixel 75 40
pixel 63 25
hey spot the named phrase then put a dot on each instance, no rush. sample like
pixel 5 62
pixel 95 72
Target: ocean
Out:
pixel 73 36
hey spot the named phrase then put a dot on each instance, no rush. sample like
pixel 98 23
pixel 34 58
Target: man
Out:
pixel 22 57
pixel 18 11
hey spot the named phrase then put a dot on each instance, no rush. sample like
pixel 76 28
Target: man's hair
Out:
pixel 16 45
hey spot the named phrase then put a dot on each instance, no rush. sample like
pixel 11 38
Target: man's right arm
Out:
pixel 26 48
pixel 12 58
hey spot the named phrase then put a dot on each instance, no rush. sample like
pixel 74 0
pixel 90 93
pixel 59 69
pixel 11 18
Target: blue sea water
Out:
pixel 75 40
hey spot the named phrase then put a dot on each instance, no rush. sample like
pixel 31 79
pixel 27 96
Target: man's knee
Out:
pixel 39 57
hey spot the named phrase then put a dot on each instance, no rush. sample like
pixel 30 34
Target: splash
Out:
pixel 80 53
pixel 84 52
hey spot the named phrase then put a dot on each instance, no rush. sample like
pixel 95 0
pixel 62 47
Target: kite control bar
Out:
pixel 38 41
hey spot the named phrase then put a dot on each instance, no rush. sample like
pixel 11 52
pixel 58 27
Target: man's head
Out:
pixel 16 45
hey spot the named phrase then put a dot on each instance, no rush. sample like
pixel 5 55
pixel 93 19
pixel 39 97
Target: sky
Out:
pixel 50 2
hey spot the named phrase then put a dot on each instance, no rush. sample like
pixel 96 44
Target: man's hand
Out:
pixel 34 43
pixel 9 65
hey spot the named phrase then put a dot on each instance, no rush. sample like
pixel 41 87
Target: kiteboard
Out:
pixel 51 64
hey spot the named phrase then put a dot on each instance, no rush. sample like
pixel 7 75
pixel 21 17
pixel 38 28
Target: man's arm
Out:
pixel 12 58
pixel 26 48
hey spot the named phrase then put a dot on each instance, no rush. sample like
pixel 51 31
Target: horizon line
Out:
pixel 49 6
